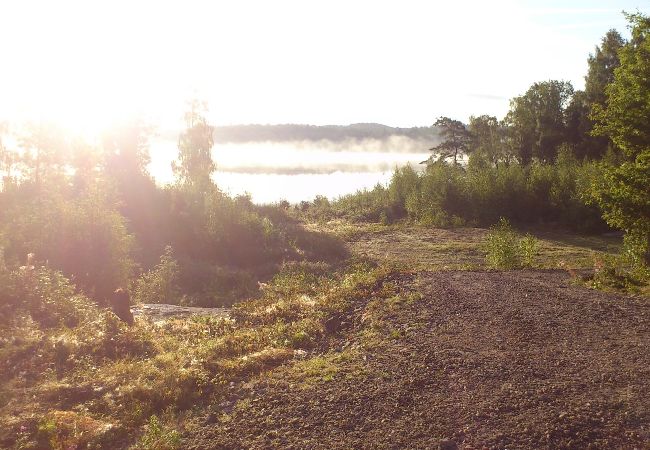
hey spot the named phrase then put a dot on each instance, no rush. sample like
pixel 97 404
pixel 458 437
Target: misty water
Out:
pixel 296 171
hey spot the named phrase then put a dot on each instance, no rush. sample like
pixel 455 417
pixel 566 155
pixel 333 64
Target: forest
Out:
pixel 80 221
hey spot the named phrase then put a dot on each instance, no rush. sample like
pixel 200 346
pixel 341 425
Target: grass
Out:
pixel 103 383
pixel 96 382
pixel 423 248
pixel 319 369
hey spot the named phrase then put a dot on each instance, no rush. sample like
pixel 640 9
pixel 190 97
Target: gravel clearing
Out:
pixel 507 360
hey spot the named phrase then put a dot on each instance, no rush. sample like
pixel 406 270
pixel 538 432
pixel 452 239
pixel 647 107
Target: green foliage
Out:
pixel 45 295
pixel 623 192
pixel 614 272
pixel 537 119
pixel 456 140
pixel 528 248
pixel 195 165
pixel 602 64
pixel 160 284
pixel 82 235
pixel 157 436
pixel 488 139
pixel 505 249
pixel 502 246
pixel 449 195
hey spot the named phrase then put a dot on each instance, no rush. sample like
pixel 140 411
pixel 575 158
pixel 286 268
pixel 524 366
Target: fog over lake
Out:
pixel 299 170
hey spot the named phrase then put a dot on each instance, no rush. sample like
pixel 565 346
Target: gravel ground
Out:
pixel 520 359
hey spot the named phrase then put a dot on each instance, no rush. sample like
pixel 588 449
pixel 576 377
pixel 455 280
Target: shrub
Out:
pixel 81 234
pixel 502 246
pixel 506 250
pixel 528 247
pixel 160 284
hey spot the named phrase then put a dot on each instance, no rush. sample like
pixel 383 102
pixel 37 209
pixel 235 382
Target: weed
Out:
pixel 501 245
pixel 506 250
pixel 529 247
pixel 157 436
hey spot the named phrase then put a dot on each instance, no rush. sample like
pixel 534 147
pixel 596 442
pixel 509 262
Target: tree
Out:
pixel 125 159
pixel 579 126
pixel 126 151
pixel 602 64
pixel 195 165
pixel 537 119
pixel 44 151
pixel 488 138
pixel 624 191
pixel 455 139
pixel 7 159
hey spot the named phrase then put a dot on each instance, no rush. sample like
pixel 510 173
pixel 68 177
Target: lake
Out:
pixel 296 171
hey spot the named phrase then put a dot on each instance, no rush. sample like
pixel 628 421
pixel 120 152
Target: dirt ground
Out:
pixel 468 360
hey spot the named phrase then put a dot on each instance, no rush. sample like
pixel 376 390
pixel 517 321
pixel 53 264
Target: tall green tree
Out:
pixel 537 119
pixel 456 140
pixel 602 64
pixel 195 165
pixel 624 191
pixel 488 139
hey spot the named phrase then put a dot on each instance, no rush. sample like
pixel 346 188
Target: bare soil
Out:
pixel 520 359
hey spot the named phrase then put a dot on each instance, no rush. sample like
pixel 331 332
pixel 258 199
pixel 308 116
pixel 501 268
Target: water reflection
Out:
pixel 270 172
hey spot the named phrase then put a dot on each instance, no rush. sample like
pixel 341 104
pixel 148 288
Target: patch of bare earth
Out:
pixel 519 359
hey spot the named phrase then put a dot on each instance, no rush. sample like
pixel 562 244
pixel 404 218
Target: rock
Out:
pixel 120 304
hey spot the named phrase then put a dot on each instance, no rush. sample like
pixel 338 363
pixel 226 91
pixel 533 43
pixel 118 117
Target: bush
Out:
pixel 506 250
pixel 81 234
pixel 160 284
pixel 502 246
pixel 626 271
pixel 45 295
pixel 451 195
pixel 528 247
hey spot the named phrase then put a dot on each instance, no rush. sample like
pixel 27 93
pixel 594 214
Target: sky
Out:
pixel 86 64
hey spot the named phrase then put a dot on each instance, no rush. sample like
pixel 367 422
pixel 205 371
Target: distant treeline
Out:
pixel 576 158
pixel 335 133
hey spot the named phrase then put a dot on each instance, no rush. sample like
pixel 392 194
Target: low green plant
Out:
pixel 158 437
pixel 528 247
pixel 502 246
pixel 505 249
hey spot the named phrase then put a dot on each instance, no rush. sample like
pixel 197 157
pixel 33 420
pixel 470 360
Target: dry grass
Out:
pixel 105 385
pixel 423 248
